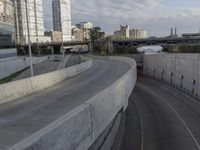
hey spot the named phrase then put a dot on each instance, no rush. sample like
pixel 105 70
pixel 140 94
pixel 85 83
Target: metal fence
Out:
pixel 171 83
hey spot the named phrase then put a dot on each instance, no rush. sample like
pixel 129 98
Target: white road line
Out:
pixel 141 124
pixel 182 120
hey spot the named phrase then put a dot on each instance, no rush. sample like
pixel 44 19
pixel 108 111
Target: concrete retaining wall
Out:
pixel 187 65
pixel 20 88
pixel 10 52
pixel 80 128
pixel 12 65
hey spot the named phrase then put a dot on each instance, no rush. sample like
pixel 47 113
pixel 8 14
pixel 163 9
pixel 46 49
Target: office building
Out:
pixel 6 23
pixel 36 21
pixel 62 18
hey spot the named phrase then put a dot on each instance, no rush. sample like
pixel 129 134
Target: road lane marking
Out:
pixel 178 115
pixel 141 124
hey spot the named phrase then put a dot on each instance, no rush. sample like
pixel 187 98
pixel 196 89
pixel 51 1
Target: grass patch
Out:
pixel 12 76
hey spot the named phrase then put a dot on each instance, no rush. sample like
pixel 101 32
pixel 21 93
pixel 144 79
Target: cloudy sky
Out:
pixel 156 16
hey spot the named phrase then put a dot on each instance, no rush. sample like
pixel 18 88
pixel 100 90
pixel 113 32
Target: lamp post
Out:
pixel 181 77
pixel 193 86
pixel 171 76
pixel 162 74
pixel 62 47
pixel 29 41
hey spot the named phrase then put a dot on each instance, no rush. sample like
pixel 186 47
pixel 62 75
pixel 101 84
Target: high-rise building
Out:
pixel 62 18
pixel 36 21
pixel 6 23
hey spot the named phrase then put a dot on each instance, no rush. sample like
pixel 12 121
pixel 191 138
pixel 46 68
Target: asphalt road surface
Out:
pixel 160 117
pixel 23 117
pixel 41 68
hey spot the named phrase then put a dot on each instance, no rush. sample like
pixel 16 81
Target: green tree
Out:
pixel 96 36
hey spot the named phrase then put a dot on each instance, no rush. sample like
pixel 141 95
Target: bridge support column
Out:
pixel 110 47
pixel 52 50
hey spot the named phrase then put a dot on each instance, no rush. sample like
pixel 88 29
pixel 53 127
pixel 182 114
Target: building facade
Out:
pixel 126 33
pixel 36 21
pixel 138 34
pixel 56 36
pixel 77 34
pixel 62 18
pixel 85 27
pixel 123 32
pixel 7 29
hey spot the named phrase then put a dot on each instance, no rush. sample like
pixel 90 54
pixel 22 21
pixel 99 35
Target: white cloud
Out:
pixel 148 14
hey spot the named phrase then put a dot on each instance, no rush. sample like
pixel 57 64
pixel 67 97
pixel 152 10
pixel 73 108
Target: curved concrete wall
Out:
pixel 80 128
pixel 187 65
pixel 12 65
pixel 20 88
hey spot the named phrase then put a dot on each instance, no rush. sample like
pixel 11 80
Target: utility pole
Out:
pixel 29 41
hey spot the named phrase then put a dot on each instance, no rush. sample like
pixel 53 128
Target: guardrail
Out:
pixel 173 84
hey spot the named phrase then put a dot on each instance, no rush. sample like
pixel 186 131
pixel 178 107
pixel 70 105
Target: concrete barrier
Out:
pixel 12 65
pixel 80 128
pixel 187 65
pixel 20 88
pixel 8 52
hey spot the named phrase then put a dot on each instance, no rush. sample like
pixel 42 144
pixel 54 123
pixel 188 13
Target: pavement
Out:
pixel 41 68
pixel 22 117
pixel 165 119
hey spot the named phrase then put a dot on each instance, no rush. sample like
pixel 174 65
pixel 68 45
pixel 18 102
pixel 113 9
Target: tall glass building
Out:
pixel 62 18
pixel 6 23
pixel 36 21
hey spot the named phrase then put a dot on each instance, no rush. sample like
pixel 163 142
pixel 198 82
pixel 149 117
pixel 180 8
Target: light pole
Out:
pixel 29 41
pixel 62 47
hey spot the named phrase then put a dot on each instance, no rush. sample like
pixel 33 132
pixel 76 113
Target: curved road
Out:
pixel 22 117
pixel 160 117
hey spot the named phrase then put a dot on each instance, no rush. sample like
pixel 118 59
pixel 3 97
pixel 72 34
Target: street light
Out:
pixel 63 39
pixel 28 34
pixel 29 41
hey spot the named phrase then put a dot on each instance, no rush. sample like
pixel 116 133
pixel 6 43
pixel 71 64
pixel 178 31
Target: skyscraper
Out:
pixel 62 18
pixel 36 22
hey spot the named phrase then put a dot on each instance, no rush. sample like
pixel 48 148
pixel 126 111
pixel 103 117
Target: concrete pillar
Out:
pixel 52 50
pixel 110 47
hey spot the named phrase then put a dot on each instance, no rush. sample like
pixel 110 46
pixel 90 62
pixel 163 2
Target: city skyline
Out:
pixel 155 16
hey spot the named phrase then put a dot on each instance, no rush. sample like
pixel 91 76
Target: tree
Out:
pixel 96 35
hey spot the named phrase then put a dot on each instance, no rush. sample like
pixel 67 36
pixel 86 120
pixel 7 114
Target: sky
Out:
pixel 155 16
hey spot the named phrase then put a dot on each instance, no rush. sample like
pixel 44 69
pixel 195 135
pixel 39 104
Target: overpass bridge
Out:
pixel 117 44
pixel 56 46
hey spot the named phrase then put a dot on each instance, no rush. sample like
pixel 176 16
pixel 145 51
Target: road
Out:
pixel 41 68
pixel 160 117
pixel 23 117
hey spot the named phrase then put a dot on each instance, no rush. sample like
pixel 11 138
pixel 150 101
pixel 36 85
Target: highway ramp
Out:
pixel 25 116
pixel 164 119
